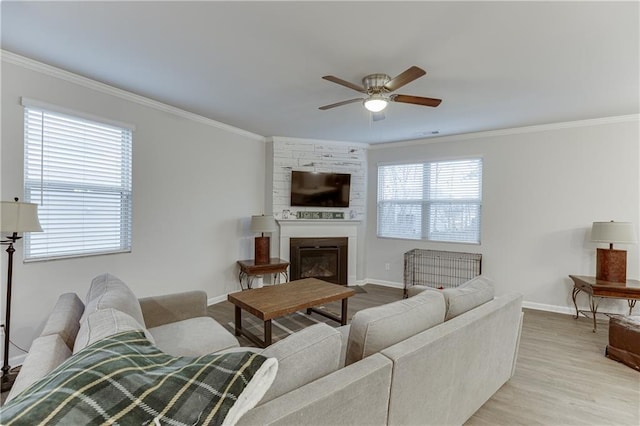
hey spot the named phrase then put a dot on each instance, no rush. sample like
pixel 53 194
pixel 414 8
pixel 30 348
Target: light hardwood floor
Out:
pixel 562 375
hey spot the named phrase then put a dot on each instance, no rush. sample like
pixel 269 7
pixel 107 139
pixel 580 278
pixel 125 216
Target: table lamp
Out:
pixel 611 265
pixel 15 217
pixel 262 224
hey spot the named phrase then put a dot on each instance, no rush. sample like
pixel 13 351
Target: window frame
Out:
pixel 424 204
pixel 65 186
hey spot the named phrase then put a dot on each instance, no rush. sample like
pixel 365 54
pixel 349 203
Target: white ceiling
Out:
pixel 258 65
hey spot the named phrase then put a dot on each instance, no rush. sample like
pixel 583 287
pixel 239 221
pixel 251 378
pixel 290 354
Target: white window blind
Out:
pixel 435 201
pixel 78 171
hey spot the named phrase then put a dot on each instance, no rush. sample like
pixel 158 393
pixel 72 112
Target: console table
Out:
pixel 249 269
pixel 595 288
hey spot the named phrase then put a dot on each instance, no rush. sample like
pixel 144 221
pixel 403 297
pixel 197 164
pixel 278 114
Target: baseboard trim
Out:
pixel 549 308
pixel 566 310
pixel 217 299
pixel 383 283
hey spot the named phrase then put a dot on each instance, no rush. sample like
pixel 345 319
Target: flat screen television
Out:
pixel 313 189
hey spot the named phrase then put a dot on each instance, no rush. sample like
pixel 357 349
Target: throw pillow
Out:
pixel 469 295
pixel 104 323
pixel 303 357
pixel 108 291
pixel 374 329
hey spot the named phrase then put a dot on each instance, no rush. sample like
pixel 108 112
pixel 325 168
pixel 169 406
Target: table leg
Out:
pixel 240 276
pixel 343 317
pixel 238 315
pixel 574 293
pixel 593 305
pixel 267 333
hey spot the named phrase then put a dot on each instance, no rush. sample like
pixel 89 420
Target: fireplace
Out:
pixel 322 258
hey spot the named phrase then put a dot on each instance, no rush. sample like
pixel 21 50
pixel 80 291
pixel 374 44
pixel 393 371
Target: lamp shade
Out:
pixel 613 232
pixel 19 217
pixel 263 223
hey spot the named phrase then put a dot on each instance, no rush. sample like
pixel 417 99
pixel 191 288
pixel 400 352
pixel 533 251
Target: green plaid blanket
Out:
pixel 125 380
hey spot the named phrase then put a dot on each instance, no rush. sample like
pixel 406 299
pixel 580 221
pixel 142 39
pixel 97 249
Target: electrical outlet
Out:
pixel 387 266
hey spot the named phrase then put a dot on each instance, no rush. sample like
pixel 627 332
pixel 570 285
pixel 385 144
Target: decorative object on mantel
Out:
pixel 16 217
pixel 611 265
pixel 261 224
pixel 320 215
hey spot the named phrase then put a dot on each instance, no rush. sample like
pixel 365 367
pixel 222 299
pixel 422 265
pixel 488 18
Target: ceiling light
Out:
pixel 375 103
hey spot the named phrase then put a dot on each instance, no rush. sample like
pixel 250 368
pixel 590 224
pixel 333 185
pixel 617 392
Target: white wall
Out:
pixel 195 185
pixel 542 189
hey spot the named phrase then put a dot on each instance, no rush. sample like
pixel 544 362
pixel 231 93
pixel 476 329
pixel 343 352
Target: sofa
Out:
pixel 433 358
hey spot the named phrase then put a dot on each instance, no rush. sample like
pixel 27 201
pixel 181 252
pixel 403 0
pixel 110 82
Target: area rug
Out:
pixel 283 326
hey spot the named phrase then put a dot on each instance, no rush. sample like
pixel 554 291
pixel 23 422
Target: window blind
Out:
pixel 78 171
pixel 435 201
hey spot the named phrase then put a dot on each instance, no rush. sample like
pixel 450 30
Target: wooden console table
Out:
pixel 598 288
pixel 249 269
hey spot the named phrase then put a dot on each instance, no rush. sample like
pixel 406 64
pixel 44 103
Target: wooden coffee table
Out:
pixel 595 288
pixel 276 301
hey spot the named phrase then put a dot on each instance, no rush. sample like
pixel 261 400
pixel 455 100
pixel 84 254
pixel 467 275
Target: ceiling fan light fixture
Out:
pixel 375 103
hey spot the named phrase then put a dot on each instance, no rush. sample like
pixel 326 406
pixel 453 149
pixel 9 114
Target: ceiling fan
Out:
pixel 378 88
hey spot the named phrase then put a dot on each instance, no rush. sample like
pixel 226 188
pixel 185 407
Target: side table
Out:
pixel 249 269
pixel 596 289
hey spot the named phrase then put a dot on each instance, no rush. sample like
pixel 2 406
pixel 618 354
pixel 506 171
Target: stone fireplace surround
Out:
pixel 305 228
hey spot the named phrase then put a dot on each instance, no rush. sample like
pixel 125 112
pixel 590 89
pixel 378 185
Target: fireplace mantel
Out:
pixel 307 228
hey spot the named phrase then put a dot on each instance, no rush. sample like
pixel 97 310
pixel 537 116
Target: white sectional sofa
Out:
pixel 397 364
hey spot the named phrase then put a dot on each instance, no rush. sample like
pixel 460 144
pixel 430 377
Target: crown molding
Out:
pixel 52 71
pixel 511 131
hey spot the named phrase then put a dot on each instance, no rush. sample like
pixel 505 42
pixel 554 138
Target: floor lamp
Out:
pixel 15 217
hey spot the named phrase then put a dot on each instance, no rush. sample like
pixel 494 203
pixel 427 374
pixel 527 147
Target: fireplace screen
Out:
pixel 318 263
pixel 322 258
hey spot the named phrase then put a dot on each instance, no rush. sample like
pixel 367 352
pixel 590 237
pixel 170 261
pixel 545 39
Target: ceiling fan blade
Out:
pixel 345 83
pixel 377 116
pixel 337 104
pixel 418 100
pixel 404 78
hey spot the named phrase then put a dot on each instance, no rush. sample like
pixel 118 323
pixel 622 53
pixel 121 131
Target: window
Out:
pixel 437 201
pixel 78 171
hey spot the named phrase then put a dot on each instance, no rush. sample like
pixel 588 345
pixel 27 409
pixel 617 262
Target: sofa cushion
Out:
pixel 46 353
pixel 104 323
pixel 303 357
pixel 65 318
pixel 469 295
pixel 193 337
pixel 108 291
pixel 416 289
pixel 374 329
